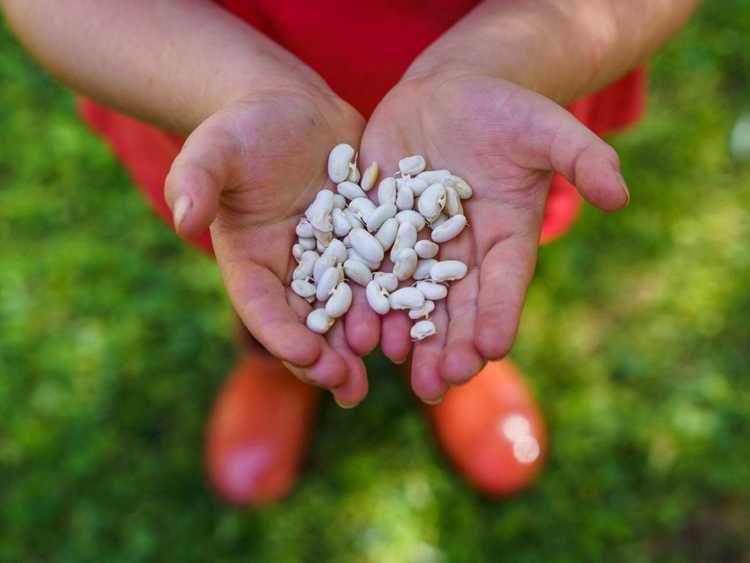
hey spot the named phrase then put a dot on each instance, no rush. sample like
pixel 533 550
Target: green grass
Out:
pixel 114 337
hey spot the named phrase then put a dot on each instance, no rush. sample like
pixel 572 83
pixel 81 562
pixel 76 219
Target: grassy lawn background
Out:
pixel 114 338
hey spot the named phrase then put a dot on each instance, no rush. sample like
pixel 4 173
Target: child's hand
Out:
pixel 249 172
pixel 505 141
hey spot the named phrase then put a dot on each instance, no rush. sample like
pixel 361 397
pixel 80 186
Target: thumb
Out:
pixel 197 177
pixel 588 163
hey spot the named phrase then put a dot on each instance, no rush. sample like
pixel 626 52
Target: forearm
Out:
pixel 170 62
pixel 560 48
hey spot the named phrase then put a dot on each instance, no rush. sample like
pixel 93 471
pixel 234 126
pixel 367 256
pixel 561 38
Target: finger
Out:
pixel 589 163
pixel 197 177
pixel 354 388
pixel 261 302
pixel 426 381
pixel 505 276
pixel 362 324
pixel 460 360
pixel 395 340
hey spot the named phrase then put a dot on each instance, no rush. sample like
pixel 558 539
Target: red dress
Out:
pixel 361 49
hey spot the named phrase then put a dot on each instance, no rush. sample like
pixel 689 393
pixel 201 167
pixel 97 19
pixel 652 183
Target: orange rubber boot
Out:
pixel 258 430
pixel 492 430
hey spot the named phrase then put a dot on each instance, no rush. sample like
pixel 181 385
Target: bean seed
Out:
pixel 319 321
pixel 406 238
pixel 377 298
pixel 303 288
pixel 404 197
pixel 362 207
pixel 411 216
pixel 416 185
pixel 321 265
pixel 406 298
pixel 462 187
pixel 412 165
pixel 433 176
pixel 304 228
pixel 370 176
pixel 337 250
pixel 406 263
pixel 423 269
pixel 358 272
pixel 379 216
pixel 442 218
pixel 297 251
pixel 386 234
pixel 449 229
pixel 432 291
pixel 307 243
pixel 341 225
pixel 387 191
pixel 431 202
pixel 350 190
pixel 354 221
pixel 448 270
pixel 386 280
pixel 340 301
pixel 327 283
pixel 354 255
pixel 338 162
pixel 422 330
pixel 422 312
pixel 339 201
pixel 354 174
pixel 366 245
pixel 452 203
pixel 426 249
pixel 324 237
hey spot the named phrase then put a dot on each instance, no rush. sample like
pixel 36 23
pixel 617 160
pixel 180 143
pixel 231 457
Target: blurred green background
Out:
pixel 114 338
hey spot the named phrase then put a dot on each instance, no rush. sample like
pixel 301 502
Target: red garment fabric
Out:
pixel 361 51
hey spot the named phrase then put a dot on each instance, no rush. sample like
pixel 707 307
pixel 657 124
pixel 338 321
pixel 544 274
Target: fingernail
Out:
pixel 435 401
pixel 181 207
pixel 344 406
pixel 399 362
pixel 624 186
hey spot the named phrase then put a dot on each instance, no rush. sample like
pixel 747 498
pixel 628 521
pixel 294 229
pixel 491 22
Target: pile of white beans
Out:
pixel 344 237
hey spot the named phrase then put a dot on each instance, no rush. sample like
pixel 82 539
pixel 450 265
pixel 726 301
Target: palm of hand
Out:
pixel 505 141
pixel 261 161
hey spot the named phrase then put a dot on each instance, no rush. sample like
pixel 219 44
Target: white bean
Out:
pixel 354 255
pixel 320 247
pixel 341 225
pixel 323 237
pixel 452 203
pixel 366 245
pixel 416 185
pixel 370 176
pixel 337 250
pixel 338 162
pixel 386 280
pixel 411 216
pixel 340 301
pixel 304 228
pixel 327 283
pixel 297 251
pixel 426 249
pixel 422 330
pixel 354 174
pixel 321 265
pixel 412 165
pixel 303 288
pixel 423 269
pixel 404 197
pixel 442 218
pixel 406 238
pixel 339 201
pixel 307 243
pixel 319 212
pixel 387 191
pixel 362 207
pixel 434 176
pixel 449 229
pixel 319 321
pixel 432 291
pixel 448 270
pixel 406 298
pixel 379 216
pixel 377 298
pixel 358 272
pixel 354 221
pixel 431 202
pixel 406 263
pixel 350 190
pixel 462 187
pixel 386 234
pixel 422 312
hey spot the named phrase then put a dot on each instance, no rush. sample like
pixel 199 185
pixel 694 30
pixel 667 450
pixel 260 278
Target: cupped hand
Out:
pixel 249 172
pixel 505 141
